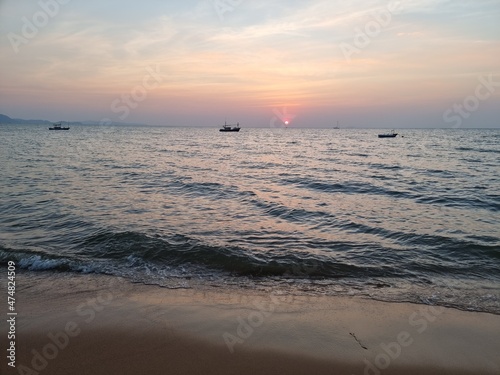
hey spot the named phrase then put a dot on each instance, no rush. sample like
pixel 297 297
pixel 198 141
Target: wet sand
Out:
pixel 88 324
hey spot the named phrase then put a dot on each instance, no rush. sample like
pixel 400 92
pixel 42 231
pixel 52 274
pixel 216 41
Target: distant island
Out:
pixel 4 119
pixel 7 120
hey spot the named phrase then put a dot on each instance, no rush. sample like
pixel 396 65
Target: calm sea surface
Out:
pixel 415 218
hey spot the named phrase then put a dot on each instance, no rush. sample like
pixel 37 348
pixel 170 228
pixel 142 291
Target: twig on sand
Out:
pixel 359 342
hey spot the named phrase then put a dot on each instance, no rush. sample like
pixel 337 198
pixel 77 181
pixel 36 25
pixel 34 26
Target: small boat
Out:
pixel 58 126
pixel 337 127
pixel 230 128
pixel 388 135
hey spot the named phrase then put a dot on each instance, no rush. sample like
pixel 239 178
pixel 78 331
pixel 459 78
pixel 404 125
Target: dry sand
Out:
pixel 88 324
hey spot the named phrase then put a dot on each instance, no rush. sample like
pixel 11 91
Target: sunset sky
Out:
pixel 424 63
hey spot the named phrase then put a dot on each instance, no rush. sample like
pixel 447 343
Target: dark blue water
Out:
pixel 415 218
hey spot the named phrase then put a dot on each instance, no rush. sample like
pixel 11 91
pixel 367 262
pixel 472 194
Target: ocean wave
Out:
pixel 108 250
pixel 481 150
pixel 421 194
pixel 179 250
pixel 124 249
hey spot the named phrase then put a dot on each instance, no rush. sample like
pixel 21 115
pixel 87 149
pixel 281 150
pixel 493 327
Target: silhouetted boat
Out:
pixel 58 126
pixel 230 128
pixel 388 135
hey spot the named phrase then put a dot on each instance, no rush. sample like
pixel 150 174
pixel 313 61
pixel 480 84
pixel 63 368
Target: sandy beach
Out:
pixel 88 324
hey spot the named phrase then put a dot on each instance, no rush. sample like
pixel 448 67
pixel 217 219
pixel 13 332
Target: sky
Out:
pixel 366 64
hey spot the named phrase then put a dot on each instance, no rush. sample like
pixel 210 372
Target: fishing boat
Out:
pixel 230 128
pixel 58 126
pixel 392 134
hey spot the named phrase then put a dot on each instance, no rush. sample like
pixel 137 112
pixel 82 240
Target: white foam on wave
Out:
pixel 36 263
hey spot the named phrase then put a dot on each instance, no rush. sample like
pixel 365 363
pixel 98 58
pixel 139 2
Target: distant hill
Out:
pixel 4 119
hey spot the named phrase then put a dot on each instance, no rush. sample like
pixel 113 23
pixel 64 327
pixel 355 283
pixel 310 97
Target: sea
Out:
pixel 301 211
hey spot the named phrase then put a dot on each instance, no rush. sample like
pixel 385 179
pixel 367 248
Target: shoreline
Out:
pixel 95 324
